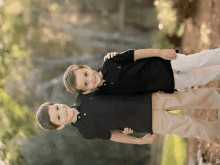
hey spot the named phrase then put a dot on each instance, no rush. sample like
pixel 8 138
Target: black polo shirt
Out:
pixel 123 75
pixel 100 114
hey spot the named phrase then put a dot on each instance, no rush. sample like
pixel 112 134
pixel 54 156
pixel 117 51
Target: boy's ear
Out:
pixel 87 67
pixel 86 92
pixel 60 127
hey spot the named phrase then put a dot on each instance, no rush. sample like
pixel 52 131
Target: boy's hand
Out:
pixel 168 54
pixel 127 131
pixel 110 55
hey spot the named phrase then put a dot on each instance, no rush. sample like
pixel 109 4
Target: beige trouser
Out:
pixel 165 122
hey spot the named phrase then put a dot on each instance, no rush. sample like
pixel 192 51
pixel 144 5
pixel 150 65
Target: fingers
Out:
pixel 127 131
pixel 173 55
pixel 169 54
pixel 113 54
pixel 110 55
pixel 107 56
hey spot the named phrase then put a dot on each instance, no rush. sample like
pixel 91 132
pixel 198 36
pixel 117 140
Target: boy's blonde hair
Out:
pixel 43 117
pixel 69 78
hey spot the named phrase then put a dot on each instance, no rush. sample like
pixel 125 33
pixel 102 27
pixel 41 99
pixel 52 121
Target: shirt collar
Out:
pixel 76 105
pixel 103 69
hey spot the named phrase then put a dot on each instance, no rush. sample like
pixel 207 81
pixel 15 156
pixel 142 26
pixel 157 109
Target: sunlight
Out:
pixel 74 18
pixel 204 32
pixel 53 7
pixel 2 163
pixel 14 8
pixel 47 35
pixel 1 2
pixel 180 32
pixel 6 26
pixel 6 39
pixel 5 121
pixel 156 3
pixel 166 15
pixel 17 52
pixel 160 26
pixel 87 19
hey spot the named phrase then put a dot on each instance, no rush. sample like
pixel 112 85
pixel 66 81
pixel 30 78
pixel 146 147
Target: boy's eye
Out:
pixel 86 74
pixel 57 108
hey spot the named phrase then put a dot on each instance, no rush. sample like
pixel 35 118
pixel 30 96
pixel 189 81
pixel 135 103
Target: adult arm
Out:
pixel 167 54
pixel 124 138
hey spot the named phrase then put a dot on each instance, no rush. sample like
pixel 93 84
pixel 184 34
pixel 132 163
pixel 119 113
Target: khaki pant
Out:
pixel 165 122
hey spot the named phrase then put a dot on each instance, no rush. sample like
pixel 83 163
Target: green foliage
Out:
pixel 174 149
pixel 171 27
pixel 159 41
pixel 17 121
pixel 18 126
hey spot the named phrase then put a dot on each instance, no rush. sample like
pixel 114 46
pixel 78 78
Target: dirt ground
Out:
pixel 203 32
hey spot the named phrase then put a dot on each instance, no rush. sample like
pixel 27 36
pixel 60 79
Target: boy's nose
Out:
pixel 91 78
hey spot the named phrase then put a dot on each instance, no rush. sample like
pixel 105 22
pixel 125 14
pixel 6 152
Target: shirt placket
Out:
pixel 80 115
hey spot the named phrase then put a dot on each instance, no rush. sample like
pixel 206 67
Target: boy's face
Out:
pixel 60 114
pixel 87 80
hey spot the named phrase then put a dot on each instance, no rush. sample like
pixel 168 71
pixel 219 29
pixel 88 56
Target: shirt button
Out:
pixel 104 84
pixel 85 114
pixel 111 83
pixel 79 117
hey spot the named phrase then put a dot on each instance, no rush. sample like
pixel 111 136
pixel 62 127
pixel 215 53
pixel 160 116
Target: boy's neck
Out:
pixel 102 80
pixel 75 113
pixel 100 73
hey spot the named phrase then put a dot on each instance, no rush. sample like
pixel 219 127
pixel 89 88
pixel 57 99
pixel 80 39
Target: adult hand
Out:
pixel 127 131
pixel 110 55
pixel 168 54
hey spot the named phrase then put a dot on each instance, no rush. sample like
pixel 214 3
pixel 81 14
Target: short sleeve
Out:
pixel 124 57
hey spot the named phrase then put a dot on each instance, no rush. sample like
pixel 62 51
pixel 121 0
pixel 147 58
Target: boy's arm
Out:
pixel 154 137
pixel 167 54
pixel 123 138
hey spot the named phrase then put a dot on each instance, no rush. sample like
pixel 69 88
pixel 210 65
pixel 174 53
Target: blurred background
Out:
pixel 39 39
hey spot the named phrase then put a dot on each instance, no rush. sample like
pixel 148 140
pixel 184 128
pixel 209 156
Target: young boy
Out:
pixel 98 116
pixel 144 71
